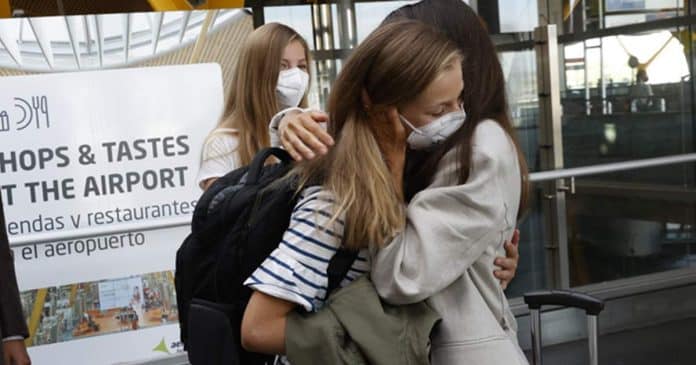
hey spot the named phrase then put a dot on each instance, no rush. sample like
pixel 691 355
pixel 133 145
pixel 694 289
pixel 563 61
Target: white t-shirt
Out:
pixel 219 155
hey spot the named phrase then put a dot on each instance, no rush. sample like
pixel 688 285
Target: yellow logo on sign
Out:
pixel 162 347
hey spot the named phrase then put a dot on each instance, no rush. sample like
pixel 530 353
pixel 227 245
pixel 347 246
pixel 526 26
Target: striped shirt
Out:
pixel 296 270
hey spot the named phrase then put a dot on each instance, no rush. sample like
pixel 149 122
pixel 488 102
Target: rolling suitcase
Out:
pixel 591 305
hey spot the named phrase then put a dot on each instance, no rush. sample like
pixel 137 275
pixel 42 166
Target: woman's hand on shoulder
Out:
pixel 302 136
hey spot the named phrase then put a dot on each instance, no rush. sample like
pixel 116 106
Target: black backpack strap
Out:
pixel 254 172
pixel 200 212
pixel 251 175
pixel 339 265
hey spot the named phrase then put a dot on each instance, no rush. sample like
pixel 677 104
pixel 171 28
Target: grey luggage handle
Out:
pixel 591 305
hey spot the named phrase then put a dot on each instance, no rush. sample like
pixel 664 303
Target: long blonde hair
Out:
pixel 391 67
pixel 252 100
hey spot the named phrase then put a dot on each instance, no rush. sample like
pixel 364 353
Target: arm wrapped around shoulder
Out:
pixel 449 227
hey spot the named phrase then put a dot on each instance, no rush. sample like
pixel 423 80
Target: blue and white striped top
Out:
pixel 296 270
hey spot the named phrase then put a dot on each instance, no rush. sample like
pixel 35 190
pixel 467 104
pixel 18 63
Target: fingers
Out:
pixel 516 237
pixel 303 137
pixel 396 123
pixel 507 271
pixel 505 277
pixel 299 146
pixel 319 117
pixel 294 144
pixel 506 264
pixel 290 148
pixel 308 135
pixel 285 138
pixel 512 251
pixel 312 125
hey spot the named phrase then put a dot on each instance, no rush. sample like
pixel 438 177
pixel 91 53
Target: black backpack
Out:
pixel 236 225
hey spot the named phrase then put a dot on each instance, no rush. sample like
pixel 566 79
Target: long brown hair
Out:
pixel 252 100
pixel 484 87
pixel 391 67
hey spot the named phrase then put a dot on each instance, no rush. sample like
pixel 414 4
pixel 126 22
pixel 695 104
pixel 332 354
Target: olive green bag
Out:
pixel 356 327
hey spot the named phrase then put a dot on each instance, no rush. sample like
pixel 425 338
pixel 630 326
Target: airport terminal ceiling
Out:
pixel 77 42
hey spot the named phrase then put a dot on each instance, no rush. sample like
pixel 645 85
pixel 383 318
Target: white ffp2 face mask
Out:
pixel 292 85
pixel 434 132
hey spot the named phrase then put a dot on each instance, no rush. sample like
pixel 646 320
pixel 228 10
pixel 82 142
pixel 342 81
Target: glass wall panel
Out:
pixel 521 79
pixel 518 15
pixel 370 15
pixel 629 97
pixel 619 230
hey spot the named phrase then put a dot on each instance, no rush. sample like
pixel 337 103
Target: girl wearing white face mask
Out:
pixel 272 74
pixel 440 247
pixel 436 131
pixel 462 194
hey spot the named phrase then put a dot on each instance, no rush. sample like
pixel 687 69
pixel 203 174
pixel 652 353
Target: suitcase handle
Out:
pixel 591 305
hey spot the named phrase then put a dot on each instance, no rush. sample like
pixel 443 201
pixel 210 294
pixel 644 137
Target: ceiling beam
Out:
pixel 157 20
pixel 42 33
pixel 126 21
pixel 100 38
pixel 184 25
pixel 9 41
pixel 73 24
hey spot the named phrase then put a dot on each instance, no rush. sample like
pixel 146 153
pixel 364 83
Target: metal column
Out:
pixel 258 15
pixel 489 11
pixel 535 323
pixel 550 12
pixel 551 155
pixel 593 341
pixel 322 22
pixel 347 25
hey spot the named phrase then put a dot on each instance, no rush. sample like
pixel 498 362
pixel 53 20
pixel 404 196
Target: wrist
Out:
pixel 275 121
pixel 285 119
